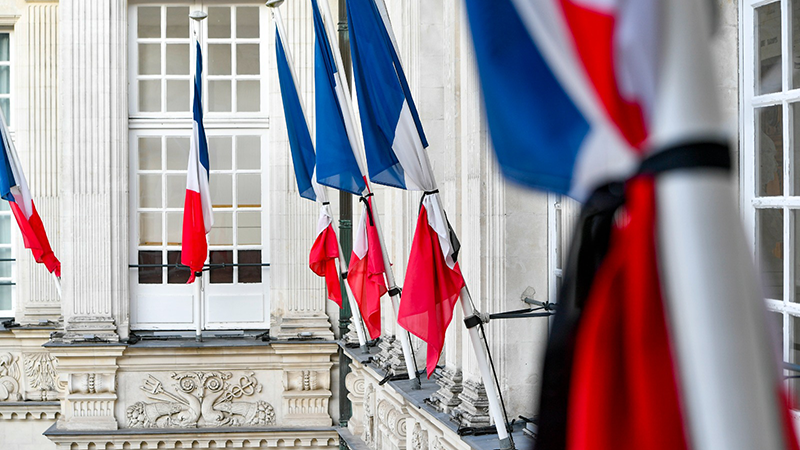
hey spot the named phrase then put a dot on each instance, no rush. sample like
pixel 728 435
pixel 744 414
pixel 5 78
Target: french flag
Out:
pixel 324 253
pixel 395 147
pixel 198 216
pixel 365 273
pixel 589 98
pixel 14 189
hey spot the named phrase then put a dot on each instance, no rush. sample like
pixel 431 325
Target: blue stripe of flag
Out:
pixel 536 128
pixel 336 163
pixel 7 180
pixel 296 126
pixel 197 110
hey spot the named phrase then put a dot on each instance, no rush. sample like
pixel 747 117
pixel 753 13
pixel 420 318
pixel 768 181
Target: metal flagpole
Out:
pixel 322 190
pixel 357 145
pixel 199 291
pixel 723 353
pixel 57 282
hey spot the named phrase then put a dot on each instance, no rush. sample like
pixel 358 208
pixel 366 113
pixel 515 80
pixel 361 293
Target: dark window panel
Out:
pixel 249 274
pixel 221 275
pixel 176 275
pixel 150 275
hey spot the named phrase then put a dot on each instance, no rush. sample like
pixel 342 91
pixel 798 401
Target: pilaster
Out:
pixel 474 408
pixel 450 386
pixel 297 295
pixel 35 122
pixel 94 176
pixel 88 377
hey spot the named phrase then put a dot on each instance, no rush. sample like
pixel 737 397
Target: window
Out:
pixel 162 69
pixel 770 153
pixel 562 214
pixel 7 261
pixel 5 75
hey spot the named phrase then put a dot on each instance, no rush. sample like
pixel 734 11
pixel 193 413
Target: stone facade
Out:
pixel 72 369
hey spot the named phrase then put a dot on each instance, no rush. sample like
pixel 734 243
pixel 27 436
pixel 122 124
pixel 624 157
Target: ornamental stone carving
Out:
pixel 40 372
pixel 419 438
pixel 9 378
pixel 201 399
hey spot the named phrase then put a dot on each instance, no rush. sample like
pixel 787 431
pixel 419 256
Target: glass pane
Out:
pixel 177 153
pixel 178 22
pixel 219 96
pixel 221 274
pixel 149 59
pixel 6 263
pixel 246 22
pixel 178 95
pixel 150 228
pixel 149 95
pixel 176 275
pixel 219 59
pixel 248 96
pixel 247 62
pixel 769 151
pixel 5 297
pixel 248 152
pixel 5 47
pixel 149 22
pixel 150 275
pixel 178 59
pixel 4 206
pixel 795 44
pixel 768 48
pixel 219 22
pixel 5 229
pixel 248 190
pixel 174 227
pixel 219 152
pixel 221 190
pixel 176 191
pixel 150 153
pixel 251 274
pixel 5 79
pixel 5 105
pixel 249 228
pixel 222 231
pixel 769 249
pixel 150 191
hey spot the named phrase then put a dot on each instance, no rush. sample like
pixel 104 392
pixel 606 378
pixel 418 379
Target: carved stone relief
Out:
pixel 369 415
pixel 201 399
pixel 40 372
pixel 9 378
pixel 419 438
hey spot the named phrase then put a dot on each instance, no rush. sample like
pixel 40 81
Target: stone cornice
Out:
pixel 8 20
pixel 30 410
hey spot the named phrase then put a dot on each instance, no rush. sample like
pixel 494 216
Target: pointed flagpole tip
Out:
pixel 274 3
pixel 198 15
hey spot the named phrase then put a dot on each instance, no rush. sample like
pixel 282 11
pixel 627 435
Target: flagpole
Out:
pixel 322 190
pixel 57 282
pixel 715 311
pixel 356 144
pixel 199 292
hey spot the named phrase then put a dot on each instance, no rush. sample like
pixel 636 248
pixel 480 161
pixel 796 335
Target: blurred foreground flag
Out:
pixel 14 188
pixel 614 103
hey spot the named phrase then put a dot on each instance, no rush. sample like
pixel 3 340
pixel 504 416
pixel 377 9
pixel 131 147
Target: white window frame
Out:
pixel 216 123
pixel 9 313
pixel 562 217
pixel 788 306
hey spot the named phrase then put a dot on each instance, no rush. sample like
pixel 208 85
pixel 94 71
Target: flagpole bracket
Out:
pixel 476 319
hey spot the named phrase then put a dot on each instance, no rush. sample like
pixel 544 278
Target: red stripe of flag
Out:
pixel 365 275
pixel 322 261
pixel 34 238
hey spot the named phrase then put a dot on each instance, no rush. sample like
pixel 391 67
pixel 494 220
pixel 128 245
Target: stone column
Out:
pixel 35 121
pixel 94 168
pixel 297 295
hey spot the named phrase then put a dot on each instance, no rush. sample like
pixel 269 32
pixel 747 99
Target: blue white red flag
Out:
pixel 198 216
pixel 395 144
pixel 296 126
pixel 14 189
pixel 337 165
pixel 578 76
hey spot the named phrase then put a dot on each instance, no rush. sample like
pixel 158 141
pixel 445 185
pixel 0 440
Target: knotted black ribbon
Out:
pixel 590 243
pixel 454 242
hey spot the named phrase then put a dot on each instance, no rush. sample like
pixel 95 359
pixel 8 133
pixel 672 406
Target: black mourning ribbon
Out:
pixel 365 199
pixel 453 237
pixel 590 244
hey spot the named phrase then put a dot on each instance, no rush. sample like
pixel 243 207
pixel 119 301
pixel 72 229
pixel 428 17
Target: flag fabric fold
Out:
pixel 433 280
pixel 324 253
pixel 300 144
pixel 197 211
pixel 14 189
pixel 336 162
pixel 366 271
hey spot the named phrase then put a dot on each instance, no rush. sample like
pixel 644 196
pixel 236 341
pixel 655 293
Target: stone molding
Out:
pixel 356 390
pixel 447 397
pixel 30 411
pixel 474 408
pixel 246 439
